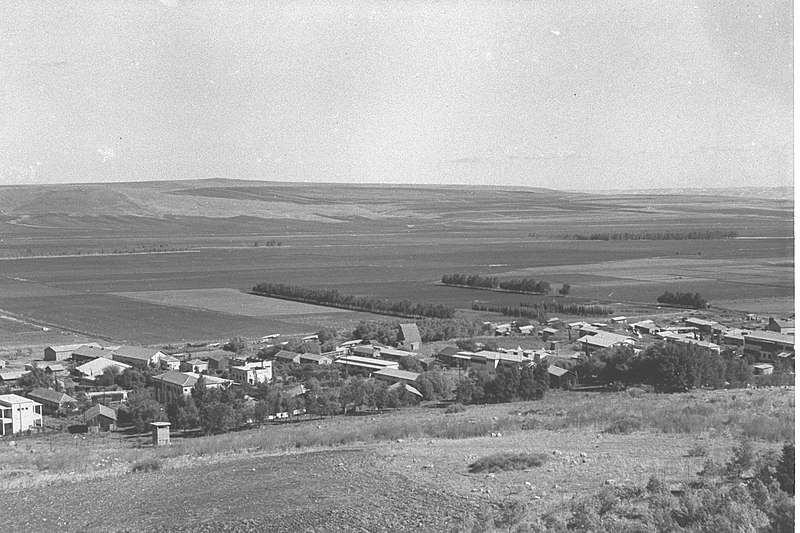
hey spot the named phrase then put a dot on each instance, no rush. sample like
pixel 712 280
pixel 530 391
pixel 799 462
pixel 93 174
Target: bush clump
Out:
pixel 624 426
pixel 455 408
pixel 150 464
pixel 506 462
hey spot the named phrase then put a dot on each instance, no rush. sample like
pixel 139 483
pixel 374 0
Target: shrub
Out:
pixel 785 469
pixel 698 450
pixel 151 464
pixel 504 462
pixel 624 426
pixel 455 408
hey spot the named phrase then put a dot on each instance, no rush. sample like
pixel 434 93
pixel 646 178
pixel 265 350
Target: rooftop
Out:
pixel 13 399
pixel 136 352
pixel 771 336
pixel 398 374
pixel 49 395
pixel 99 409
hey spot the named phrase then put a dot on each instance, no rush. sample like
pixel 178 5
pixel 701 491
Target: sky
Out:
pixel 557 94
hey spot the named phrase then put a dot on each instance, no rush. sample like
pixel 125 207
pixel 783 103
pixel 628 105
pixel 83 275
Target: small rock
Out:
pixel 582 454
pixel 537 497
pixel 609 482
pixel 400 440
pixel 528 483
pixel 557 452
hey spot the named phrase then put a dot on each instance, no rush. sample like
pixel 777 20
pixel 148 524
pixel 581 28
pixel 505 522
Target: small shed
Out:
pixel 160 433
pixel 548 332
pixel 561 378
pixel 763 369
pixel 100 416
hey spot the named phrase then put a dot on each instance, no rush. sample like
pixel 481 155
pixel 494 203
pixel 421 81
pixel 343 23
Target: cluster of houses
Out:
pixel 766 346
pixel 85 363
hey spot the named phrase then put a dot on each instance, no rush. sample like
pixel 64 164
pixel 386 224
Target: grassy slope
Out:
pixel 410 465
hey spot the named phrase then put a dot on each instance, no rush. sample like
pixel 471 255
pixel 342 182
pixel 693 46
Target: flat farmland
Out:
pixel 391 242
pixel 229 301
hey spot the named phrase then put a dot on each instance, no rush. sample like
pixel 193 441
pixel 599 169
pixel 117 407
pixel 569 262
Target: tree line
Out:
pixel 647 236
pixel 333 298
pixel 430 329
pixel 683 299
pixel 569 308
pixel 528 285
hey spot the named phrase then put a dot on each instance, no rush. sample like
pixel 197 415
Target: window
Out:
pixel 37 409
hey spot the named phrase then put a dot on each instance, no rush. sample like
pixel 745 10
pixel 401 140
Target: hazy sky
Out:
pixel 553 94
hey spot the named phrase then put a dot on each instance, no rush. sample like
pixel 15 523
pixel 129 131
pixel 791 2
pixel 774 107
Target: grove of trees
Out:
pixel 683 299
pixel 527 285
pixel 667 367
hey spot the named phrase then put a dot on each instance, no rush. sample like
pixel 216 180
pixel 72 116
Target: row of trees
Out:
pixel 508 383
pixel 527 285
pixel 650 236
pixel 683 299
pixel 668 367
pixel 569 308
pixel 430 329
pixel 333 298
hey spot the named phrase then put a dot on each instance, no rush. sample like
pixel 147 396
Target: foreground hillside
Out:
pixel 399 471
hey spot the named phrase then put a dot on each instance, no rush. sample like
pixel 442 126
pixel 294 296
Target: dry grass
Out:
pixel 720 417
pixel 507 462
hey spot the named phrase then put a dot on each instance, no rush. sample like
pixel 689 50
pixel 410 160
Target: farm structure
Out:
pixel 173 384
pixel 768 345
pixel 408 338
pixel 85 353
pixel 489 360
pixel 97 366
pixel 780 325
pixel 702 325
pixel 315 359
pixel 138 356
pixel 561 378
pixel 705 346
pixel 19 414
pixel 9 377
pixel 51 400
pixel 170 362
pixel 604 339
pixel 100 416
pixel 364 364
pixel 60 353
pixel 394 375
pixel 198 366
pixel 285 356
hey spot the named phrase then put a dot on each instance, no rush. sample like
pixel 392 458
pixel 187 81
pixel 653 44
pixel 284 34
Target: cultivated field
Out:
pixel 385 242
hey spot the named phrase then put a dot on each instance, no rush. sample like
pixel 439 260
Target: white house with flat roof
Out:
pixel 252 373
pixel 18 414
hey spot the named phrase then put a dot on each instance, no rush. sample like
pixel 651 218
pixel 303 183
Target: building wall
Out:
pixel 20 417
pixel 52 355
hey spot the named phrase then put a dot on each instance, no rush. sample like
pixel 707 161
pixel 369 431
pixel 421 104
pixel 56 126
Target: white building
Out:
pixel 18 414
pixel 252 373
